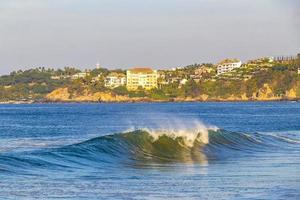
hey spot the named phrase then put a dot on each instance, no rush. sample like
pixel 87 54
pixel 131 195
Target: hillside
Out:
pixel 251 82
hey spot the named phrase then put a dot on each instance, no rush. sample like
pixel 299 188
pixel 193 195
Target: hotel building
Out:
pixel 141 77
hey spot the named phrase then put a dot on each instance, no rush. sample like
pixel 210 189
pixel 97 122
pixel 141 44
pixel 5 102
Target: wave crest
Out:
pixel 151 147
pixel 199 133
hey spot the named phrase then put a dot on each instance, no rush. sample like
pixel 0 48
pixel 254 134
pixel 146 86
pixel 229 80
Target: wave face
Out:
pixel 142 148
pixel 63 151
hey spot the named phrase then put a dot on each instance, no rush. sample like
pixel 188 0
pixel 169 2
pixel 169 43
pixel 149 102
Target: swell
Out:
pixel 147 148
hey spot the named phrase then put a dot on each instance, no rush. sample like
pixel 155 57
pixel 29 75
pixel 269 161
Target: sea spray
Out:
pixel 194 131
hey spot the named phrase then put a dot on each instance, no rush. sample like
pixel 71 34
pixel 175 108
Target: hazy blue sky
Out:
pixel 157 33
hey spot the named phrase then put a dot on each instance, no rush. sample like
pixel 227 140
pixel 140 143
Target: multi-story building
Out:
pixel 228 65
pixel 141 77
pixel 114 80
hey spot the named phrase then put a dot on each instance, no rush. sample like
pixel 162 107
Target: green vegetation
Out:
pixel 121 90
pixel 248 81
pixel 31 84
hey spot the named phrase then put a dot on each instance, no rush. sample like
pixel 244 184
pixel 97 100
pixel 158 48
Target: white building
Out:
pixel 60 77
pixel 228 65
pixel 114 80
pixel 80 75
pixel 55 77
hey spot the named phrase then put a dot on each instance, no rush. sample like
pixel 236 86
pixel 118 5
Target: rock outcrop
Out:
pixel 63 95
pixel 263 94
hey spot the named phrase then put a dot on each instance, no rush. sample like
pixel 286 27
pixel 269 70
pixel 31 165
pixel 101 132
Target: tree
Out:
pixel 102 71
pixel 140 92
pixel 157 94
pixel 191 89
pixel 121 90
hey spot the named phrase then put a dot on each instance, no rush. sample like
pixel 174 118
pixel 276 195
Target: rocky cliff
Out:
pixel 263 94
pixel 63 95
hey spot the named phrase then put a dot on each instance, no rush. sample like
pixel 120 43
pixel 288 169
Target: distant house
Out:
pixel 55 77
pixel 141 77
pixel 228 65
pixel 177 68
pixel 173 80
pixel 80 75
pixel 114 80
pixel 60 77
pixel 96 78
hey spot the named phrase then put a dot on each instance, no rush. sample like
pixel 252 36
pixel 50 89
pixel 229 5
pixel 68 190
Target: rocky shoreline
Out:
pixel 62 95
pixel 146 101
pixel 264 94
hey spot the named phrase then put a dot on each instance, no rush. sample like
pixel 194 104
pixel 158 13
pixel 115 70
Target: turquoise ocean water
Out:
pixel 150 151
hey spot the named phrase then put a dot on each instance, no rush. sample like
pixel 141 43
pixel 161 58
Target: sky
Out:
pixel 154 33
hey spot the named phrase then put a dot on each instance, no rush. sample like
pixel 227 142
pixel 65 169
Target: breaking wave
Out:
pixel 145 147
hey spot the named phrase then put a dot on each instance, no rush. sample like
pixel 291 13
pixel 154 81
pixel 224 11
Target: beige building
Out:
pixel 141 77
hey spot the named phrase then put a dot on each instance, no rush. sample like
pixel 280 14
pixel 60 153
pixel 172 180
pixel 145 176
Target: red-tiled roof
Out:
pixel 116 74
pixel 141 70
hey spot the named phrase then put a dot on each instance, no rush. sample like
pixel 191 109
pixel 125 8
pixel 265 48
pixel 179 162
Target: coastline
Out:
pixel 147 101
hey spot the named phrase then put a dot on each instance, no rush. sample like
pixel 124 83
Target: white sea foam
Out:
pixel 191 131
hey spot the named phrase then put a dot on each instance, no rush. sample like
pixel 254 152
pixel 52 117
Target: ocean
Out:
pixel 231 150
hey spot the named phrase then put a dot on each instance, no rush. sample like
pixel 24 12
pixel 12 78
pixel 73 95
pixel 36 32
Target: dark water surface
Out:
pixel 150 151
